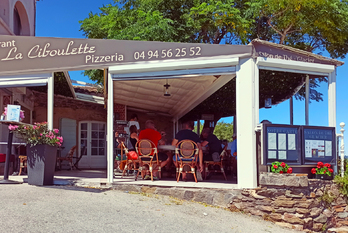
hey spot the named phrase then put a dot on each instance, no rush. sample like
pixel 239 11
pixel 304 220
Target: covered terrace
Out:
pixel 137 71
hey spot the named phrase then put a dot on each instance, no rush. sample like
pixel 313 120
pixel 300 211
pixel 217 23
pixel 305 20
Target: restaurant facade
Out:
pixel 136 71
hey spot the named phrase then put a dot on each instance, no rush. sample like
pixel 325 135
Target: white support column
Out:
pixel 307 101
pixel 342 124
pixel 110 130
pixel 332 98
pixel 247 112
pixel 50 101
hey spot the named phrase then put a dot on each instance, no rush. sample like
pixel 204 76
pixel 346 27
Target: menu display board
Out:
pixel 298 145
pixel 318 144
pixel 282 143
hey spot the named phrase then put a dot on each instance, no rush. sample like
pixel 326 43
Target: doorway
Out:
pixel 92 141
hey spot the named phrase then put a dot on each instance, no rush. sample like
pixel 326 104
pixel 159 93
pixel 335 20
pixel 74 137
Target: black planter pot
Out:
pixel 41 164
pixel 323 176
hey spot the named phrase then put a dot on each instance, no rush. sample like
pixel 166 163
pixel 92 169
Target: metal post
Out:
pixel 8 154
pixel 291 111
pixel 307 100
pixel 342 124
pixel 198 127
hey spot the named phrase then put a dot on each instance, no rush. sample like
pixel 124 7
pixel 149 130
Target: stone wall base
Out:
pixel 215 197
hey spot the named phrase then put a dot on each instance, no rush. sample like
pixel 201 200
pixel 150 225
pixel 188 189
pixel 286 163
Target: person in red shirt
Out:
pixel 153 135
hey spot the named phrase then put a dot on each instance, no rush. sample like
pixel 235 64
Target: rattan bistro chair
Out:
pixel 186 154
pixel 147 152
pixel 69 158
pixel 214 164
pixel 130 164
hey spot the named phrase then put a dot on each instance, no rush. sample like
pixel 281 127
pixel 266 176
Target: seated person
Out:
pixel 133 138
pixel 187 134
pixel 214 144
pixel 153 135
pixel 232 150
pixel 134 121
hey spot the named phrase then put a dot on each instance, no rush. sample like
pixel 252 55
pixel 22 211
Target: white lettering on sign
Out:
pixel 37 52
pixel 12 55
pixel 101 59
pixel 286 57
pixel 167 53
pixel 7 44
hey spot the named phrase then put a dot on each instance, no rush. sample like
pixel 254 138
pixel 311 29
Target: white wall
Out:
pixel 27 13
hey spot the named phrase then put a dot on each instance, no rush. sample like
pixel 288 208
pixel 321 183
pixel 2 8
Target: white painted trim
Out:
pixel 332 99
pixel 50 101
pixel 307 101
pixel 110 130
pixel 24 80
pixel 247 103
pixel 294 66
pixel 175 74
pixel 180 109
pixel 166 65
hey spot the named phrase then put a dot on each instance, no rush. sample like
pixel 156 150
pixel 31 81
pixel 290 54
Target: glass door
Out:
pixel 92 145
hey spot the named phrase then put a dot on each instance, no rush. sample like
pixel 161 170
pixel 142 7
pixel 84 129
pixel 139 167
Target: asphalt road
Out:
pixel 26 208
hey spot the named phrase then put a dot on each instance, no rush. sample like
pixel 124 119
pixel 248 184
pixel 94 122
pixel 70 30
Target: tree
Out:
pixel 312 25
pixel 224 131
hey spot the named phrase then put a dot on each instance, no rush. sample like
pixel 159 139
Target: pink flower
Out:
pixel 12 127
pixel 21 115
pixel 56 130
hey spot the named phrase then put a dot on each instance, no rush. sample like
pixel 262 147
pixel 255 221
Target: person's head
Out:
pixel 134 117
pixel 133 129
pixel 149 124
pixel 206 132
pixel 188 125
pixel 163 133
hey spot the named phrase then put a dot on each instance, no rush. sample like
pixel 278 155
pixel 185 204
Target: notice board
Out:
pixel 319 144
pixel 282 143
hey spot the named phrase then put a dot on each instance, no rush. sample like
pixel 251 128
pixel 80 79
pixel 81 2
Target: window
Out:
pixel 17 26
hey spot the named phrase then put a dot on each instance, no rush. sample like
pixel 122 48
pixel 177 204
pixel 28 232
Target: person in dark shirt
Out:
pixel 187 134
pixel 214 144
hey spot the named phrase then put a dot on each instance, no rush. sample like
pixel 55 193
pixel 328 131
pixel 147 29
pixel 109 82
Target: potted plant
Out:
pixel 280 167
pixel 322 171
pixel 42 146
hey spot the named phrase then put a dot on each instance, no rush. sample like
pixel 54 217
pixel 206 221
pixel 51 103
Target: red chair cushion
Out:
pixel 2 158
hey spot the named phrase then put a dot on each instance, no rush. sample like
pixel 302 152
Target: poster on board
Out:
pixel 318 144
pixel 281 143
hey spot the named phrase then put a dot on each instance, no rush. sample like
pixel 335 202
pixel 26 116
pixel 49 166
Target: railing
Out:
pixel 341 135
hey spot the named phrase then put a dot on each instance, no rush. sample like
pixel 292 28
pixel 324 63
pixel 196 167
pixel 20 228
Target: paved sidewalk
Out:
pixel 97 178
pixel 28 208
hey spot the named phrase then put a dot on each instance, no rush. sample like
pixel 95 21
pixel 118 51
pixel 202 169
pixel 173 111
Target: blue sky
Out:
pixel 61 19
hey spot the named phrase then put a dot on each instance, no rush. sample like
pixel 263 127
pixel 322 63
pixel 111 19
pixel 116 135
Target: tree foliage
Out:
pixel 311 25
pixel 224 131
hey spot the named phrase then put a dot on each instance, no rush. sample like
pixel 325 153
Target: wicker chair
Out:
pixel 69 157
pixel 130 164
pixel 213 164
pixel 147 151
pixel 186 154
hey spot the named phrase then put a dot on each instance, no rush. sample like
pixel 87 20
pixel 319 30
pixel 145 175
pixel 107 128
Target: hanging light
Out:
pixel 166 89
pixel 268 103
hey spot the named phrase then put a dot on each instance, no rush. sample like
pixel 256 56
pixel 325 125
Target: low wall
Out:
pixel 294 201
